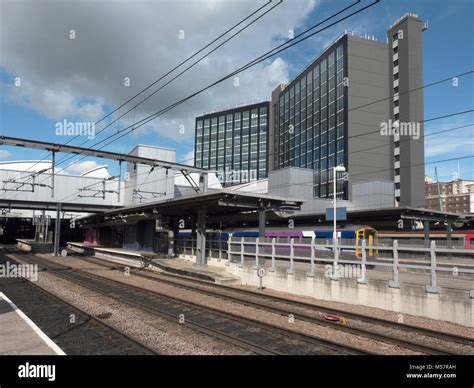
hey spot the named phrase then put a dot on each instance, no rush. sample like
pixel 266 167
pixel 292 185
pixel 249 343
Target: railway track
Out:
pixel 286 306
pixel 248 333
pixel 88 334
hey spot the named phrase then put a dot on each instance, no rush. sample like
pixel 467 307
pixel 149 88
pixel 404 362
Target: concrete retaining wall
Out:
pixel 449 305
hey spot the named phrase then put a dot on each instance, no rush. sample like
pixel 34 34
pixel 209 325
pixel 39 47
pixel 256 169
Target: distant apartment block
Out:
pixel 234 143
pixel 456 196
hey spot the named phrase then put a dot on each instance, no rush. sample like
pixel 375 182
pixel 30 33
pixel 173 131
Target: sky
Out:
pixel 79 60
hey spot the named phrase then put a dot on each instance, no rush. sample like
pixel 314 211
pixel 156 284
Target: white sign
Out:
pixel 64 253
pixel 261 272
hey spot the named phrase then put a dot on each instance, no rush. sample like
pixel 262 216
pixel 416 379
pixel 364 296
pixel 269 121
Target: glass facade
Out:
pixel 234 143
pixel 310 124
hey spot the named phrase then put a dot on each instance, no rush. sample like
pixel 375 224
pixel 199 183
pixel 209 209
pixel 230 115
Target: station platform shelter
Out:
pixel 152 227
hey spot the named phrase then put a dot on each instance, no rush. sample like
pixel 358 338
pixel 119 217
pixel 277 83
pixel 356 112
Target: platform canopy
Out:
pixel 218 203
pixel 390 214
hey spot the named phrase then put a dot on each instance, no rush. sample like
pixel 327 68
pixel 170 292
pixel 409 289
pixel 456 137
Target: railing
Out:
pixel 433 266
pixel 456 271
pixel 216 249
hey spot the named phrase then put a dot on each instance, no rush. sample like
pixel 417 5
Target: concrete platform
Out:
pixel 188 268
pixel 142 259
pixel 459 262
pixel 35 246
pixel 19 335
pixel 96 250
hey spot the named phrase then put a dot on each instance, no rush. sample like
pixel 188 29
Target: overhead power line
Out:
pixel 177 67
pixel 262 58
pixel 369 172
pixel 183 71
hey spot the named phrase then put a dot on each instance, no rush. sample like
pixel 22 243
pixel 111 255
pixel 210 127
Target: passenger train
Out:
pixel 323 235
pixel 349 235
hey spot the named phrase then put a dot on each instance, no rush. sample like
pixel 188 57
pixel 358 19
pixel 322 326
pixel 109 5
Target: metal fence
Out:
pixel 216 249
pixel 432 266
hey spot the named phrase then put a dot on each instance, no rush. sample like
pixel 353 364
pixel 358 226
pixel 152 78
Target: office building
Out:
pixel 234 142
pixel 351 107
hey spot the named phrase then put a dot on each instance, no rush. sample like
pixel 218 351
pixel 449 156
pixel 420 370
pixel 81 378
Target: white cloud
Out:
pixel 80 78
pixel 188 158
pixel 446 147
pixel 4 154
pixel 53 103
pixel 81 167
pixel 451 143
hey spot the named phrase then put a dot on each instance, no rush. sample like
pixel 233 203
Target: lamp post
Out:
pixel 336 253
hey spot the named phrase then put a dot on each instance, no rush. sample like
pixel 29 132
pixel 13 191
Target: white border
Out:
pixel 35 328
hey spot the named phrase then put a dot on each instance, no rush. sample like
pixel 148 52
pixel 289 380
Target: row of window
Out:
pixel 234 144
pixel 311 121
pixel 232 118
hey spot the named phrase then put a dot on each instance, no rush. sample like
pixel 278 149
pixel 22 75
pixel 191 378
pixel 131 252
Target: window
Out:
pixel 254 117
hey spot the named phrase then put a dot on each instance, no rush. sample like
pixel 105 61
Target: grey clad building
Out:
pixel 234 143
pixel 333 113
pixel 406 109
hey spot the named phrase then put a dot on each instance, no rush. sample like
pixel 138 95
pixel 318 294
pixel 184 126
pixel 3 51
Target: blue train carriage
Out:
pixel 352 235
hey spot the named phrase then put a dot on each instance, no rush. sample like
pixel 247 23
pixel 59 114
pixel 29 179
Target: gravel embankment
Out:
pixel 161 334
pixel 237 308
